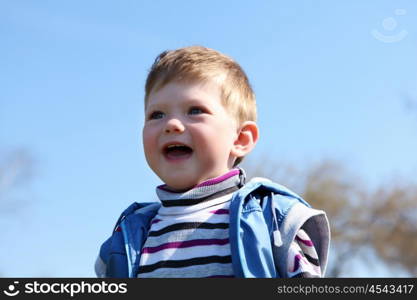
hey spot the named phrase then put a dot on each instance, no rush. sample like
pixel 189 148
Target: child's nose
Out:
pixel 174 125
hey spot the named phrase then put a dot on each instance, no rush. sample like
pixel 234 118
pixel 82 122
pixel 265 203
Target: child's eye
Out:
pixel 156 115
pixel 195 111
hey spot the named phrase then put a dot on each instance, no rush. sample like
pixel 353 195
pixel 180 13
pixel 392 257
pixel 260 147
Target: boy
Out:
pixel 200 121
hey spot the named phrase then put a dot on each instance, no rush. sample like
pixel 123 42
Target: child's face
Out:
pixel 190 115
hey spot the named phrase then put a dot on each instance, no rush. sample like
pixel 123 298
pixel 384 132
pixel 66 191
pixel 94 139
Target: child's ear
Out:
pixel 246 139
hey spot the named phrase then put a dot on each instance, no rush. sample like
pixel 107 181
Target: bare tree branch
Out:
pixel 16 170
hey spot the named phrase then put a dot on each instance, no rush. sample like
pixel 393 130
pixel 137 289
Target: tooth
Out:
pixel 174 145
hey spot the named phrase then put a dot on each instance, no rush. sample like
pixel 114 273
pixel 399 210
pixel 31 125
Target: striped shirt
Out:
pixel 189 236
pixel 303 260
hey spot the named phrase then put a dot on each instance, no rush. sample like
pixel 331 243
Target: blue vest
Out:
pixel 264 219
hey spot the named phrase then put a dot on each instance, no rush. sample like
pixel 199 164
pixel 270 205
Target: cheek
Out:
pixel 148 140
pixel 213 140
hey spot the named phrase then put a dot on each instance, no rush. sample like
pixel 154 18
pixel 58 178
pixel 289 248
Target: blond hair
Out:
pixel 200 64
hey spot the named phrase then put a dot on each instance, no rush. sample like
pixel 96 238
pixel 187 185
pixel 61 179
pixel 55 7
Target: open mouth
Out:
pixel 177 151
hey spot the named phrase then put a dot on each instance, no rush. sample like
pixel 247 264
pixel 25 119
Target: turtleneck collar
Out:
pixel 203 192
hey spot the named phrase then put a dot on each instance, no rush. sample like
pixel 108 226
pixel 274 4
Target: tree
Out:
pixel 16 169
pixel 360 219
pixel 393 224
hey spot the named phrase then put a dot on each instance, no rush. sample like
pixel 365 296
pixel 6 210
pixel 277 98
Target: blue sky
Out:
pixel 72 76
